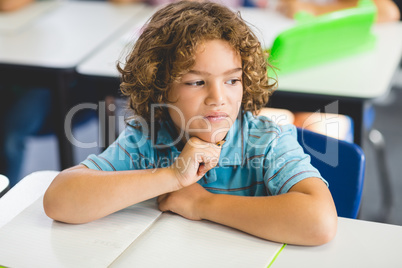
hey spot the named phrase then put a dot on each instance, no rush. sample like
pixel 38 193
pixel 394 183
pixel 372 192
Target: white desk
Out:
pixel 103 63
pixel 366 75
pixel 24 193
pixel 66 35
pixel 351 80
pixel 50 47
pixel 12 22
pixel 349 83
pixel 357 243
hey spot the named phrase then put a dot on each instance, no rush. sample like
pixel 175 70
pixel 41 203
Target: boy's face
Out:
pixel 207 99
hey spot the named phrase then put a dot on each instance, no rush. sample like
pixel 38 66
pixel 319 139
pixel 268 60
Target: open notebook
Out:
pixel 138 236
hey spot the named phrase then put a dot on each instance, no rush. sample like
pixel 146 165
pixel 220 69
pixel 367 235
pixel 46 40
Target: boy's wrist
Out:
pixel 205 205
pixel 170 175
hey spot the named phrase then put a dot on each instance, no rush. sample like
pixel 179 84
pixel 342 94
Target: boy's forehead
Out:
pixel 201 53
pixel 201 46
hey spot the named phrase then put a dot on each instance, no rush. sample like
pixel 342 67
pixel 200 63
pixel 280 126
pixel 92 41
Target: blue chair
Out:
pixel 342 164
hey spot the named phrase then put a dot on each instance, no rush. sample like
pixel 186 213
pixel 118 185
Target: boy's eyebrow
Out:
pixel 235 70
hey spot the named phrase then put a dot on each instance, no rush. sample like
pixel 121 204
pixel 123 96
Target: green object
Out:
pixel 323 38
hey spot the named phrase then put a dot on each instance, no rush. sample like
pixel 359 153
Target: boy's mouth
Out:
pixel 216 116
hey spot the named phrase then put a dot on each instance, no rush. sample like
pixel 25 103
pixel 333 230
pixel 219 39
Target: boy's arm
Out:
pixel 80 194
pixel 11 5
pixel 387 9
pixel 306 215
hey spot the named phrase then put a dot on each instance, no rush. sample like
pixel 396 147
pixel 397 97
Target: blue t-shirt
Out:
pixel 259 158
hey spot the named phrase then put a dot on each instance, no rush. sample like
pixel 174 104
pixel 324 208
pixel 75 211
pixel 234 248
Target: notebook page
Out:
pixel 32 239
pixel 174 241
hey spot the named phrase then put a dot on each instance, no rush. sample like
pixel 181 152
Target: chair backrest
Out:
pixel 4 185
pixel 342 164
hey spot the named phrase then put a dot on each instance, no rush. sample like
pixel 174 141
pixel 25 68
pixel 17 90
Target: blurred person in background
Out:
pixel 12 5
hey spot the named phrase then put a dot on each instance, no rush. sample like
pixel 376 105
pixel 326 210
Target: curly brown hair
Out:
pixel 165 51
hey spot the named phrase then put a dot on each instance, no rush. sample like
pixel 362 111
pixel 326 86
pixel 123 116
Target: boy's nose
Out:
pixel 216 95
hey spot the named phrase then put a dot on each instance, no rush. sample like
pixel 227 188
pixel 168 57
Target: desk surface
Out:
pixel 12 22
pixel 357 243
pixel 366 75
pixel 103 62
pixel 63 35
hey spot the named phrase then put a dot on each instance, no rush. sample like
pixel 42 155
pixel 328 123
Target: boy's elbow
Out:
pixel 325 236
pixel 54 200
pixel 57 211
pixel 49 210
pixel 389 16
pixel 387 11
pixel 52 210
pixel 324 228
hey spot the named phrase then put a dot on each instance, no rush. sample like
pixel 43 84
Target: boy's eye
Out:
pixel 196 83
pixel 233 81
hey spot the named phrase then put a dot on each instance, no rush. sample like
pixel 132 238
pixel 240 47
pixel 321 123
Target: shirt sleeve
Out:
pixel 128 152
pixel 288 164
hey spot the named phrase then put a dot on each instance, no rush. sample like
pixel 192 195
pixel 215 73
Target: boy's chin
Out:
pixel 211 138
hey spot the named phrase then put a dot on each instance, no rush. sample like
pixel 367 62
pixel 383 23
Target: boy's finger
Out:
pixel 161 198
pixel 162 207
pixel 202 169
pixel 208 164
pixel 163 204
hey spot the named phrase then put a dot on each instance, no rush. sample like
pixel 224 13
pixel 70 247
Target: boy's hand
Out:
pixel 185 202
pixel 194 161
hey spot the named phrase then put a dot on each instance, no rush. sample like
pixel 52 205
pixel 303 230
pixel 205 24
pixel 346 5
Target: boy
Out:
pixel 194 77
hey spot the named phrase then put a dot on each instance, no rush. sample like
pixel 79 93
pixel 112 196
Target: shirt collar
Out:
pixel 166 135
pixel 232 153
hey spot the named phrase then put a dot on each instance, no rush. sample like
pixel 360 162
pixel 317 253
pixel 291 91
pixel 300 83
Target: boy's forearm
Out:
pixel 11 5
pixel 294 218
pixel 387 11
pixel 80 195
